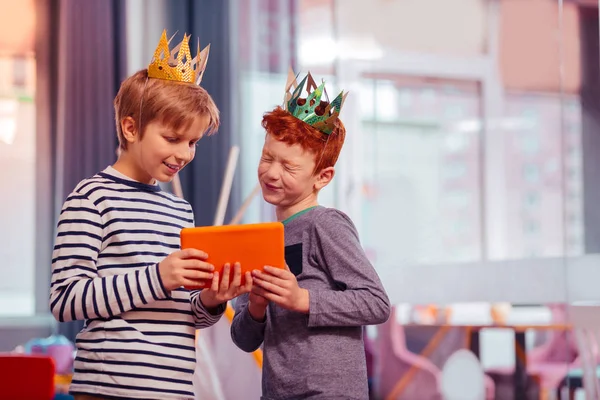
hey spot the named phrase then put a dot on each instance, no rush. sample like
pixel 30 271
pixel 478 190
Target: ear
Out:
pixel 129 129
pixel 324 177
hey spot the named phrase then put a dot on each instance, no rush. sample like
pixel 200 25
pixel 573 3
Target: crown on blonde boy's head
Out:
pixel 283 126
pixel 171 103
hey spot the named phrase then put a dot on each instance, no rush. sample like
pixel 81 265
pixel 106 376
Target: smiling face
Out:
pixel 161 152
pixel 158 125
pixel 287 177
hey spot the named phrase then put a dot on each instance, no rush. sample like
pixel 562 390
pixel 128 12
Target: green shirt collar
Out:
pixel 299 213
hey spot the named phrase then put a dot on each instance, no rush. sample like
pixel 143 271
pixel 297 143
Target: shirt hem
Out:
pixel 117 395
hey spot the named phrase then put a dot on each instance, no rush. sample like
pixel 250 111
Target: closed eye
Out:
pixel 291 167
pixel 172 139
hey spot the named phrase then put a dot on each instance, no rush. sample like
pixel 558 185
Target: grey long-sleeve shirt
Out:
pixel 319 355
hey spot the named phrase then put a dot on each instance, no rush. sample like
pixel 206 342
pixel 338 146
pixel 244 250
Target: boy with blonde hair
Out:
pixel 117 262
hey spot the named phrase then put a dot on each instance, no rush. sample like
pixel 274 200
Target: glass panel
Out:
pixel 422 170
pixel 17 159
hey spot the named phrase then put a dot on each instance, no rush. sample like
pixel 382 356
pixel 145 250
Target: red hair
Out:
pixel 286 128
pixel 173 104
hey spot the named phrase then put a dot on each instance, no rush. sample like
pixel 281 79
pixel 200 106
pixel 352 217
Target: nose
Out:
pixel 272 172
pixel 185 153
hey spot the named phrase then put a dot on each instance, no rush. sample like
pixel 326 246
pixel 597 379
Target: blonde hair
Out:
pixel 173 104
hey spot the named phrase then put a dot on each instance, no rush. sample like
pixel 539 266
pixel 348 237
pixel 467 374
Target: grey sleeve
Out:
pixel 360 298
pixel 247 333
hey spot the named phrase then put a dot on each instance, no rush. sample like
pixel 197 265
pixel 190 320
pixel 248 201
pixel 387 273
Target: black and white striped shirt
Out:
pixel 138 340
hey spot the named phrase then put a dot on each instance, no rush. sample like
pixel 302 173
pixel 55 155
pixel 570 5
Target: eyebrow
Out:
pixel 283 161
pixel 290 163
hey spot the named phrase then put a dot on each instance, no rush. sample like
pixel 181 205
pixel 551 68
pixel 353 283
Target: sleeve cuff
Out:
pixel 217 311
pixel 158 284
pixel 250 322
pixel 313 308
pixel 213 315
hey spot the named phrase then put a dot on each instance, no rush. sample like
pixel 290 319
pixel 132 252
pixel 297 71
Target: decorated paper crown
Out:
pixel 319 114
pixel 184 68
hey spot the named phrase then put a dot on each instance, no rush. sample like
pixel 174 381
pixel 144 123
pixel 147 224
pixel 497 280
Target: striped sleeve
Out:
pixel 76 290
pixel 203 318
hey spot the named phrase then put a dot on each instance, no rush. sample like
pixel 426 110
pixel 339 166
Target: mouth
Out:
pixel 271 187
pixel 172 167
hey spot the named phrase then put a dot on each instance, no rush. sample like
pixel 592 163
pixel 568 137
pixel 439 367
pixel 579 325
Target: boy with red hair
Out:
pixel 309 318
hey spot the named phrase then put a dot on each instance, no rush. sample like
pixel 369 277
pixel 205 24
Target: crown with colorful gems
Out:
pixel 319 114
pixel 182 68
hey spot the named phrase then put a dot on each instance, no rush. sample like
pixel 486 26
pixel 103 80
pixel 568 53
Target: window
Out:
pixel 419 158
pixel 532 199
pixel 17 161
pixel 531 173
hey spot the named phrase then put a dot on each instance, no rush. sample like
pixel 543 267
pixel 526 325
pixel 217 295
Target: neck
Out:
pixel 284 213
pixel 127 166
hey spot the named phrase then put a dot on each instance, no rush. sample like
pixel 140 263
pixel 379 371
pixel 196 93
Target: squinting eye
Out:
pixel 172 140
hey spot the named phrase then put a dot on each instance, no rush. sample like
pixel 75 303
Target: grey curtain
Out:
pixel 220 24
pixel 209 21
pixel 85 67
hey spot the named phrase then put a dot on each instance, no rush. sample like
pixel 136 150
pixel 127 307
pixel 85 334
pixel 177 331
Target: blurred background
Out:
pixel 470 166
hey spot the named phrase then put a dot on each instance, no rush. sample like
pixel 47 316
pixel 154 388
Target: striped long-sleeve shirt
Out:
pixel 138 339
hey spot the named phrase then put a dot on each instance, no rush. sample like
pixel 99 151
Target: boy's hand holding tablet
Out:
pixel 188 267
pixel 185 268
pixel 226 289
pixel 248 247
pixel 281 287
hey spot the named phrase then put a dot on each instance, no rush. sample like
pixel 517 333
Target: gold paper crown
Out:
pixel 184 68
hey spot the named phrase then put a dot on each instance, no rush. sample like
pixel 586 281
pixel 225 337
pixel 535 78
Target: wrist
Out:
pixel 208 301
pixel 257 312
pixel 166 283
pixel 303 305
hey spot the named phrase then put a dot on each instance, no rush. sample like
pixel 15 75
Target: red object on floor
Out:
pixel 26 377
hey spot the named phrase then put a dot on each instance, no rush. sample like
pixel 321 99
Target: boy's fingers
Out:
pixel 258 291
pixel 215 282
pixel 278 272
pixel 197 275
pixel 225 279
pixel 248 284
pixel 266 295
pixel 198 265
pixel 271 279
pixel 195 283
pixel 193 253
pixel 237 275
pixel 268 286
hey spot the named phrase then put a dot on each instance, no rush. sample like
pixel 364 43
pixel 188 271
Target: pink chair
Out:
pixel 393 361
pixel 551 361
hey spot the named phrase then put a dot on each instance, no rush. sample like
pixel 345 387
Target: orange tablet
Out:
pixel 252 245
